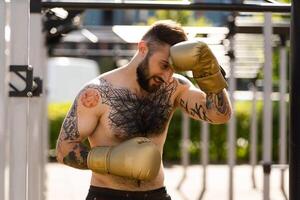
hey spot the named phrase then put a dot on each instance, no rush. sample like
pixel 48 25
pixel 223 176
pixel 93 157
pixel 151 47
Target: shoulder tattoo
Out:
pixel 89 97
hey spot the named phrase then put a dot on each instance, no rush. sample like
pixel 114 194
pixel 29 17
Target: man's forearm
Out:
pixel 219 102
pixel 77 157
pixel 218 105
pixel 215 109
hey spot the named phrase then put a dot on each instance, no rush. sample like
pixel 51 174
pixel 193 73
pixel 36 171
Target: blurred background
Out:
pixel 97 41
pixel 203 161
pixel 107 39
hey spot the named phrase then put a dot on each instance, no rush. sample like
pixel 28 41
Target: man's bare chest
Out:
pixel 130 115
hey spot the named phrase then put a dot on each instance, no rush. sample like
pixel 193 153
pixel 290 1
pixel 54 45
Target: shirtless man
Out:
pixel 125 114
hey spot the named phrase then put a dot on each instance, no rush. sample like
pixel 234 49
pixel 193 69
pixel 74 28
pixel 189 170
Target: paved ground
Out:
pixel 65 183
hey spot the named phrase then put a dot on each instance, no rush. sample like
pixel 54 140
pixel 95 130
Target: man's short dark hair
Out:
pixel 164 32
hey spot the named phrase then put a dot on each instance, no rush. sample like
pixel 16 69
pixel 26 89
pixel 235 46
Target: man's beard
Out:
pixel 143 77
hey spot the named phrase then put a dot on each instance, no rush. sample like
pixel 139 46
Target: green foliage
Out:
pixel 218 134
pixel 56 115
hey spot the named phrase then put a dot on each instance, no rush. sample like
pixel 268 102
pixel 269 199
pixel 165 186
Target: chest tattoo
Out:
pixel 131 115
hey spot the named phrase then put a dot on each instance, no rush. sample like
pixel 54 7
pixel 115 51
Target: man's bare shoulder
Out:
pixel 182 81
pixel 91 93
pixel 184 88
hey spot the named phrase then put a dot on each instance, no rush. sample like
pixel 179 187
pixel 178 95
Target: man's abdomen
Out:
pixel 122 183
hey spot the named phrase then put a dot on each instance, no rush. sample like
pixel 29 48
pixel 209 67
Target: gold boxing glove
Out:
pixel 136 158
pixel 196 56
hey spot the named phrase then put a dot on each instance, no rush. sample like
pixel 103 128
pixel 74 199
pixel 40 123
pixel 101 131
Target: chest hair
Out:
pixel 132 115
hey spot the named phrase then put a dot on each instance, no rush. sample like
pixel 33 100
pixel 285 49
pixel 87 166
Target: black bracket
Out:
pixel 267 167
pixel 35 6
pixel 34 85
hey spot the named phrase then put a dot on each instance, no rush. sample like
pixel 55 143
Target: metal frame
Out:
pixel 267 114
pixel 3 98
pixel 38 110
pixel 231 132
pixel 19 49
pixel 279 29
pixel 26 114
pixel 253 133
pixel 295 96
pixel 18 118
pixel 204 135
pixel 282 106
pixel 185 158
pixel 169 5
pixel 294 140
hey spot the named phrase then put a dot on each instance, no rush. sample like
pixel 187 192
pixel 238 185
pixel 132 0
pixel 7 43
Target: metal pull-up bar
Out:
pixel 169 5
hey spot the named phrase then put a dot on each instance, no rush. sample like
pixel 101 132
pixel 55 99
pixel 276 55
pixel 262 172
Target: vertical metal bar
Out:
pixel 185 140
pixel 282 91
pixel 294 103
pixel 45 128
pixel 253 137
pixel 17 107
pixel 36 118
pixel 185 146
pixel 282 113
pixel 204 155
pixel 231 135
pixel 3 98
pixel 267 115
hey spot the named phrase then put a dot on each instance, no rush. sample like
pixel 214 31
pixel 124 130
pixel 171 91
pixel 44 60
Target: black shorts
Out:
pixel 100 193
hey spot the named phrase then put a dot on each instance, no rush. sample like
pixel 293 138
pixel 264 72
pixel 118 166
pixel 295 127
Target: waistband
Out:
pixel 102 191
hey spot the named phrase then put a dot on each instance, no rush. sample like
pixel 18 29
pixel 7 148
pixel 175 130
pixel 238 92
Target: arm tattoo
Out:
pixel 197 111
pixel 218 101
pixel 70 128
pixel 90 98
pixel 77 157
pixel 214 102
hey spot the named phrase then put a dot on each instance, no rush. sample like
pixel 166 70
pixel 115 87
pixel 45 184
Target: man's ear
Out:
pixel 142 47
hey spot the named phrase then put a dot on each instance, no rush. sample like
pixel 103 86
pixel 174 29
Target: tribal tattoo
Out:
pixel 216 102
pixel 132 115
pixel 77 157
pixel 197 111
pixel 70 128
pixel 75 160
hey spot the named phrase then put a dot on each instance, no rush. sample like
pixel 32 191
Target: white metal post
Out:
pixel 44 132
pixel 3 98
pixel 185 146
pixel 283 113
pixel 267 114
pixel 36 148
pixel 18 106
pixel 253 136
pixel 204 141
pixel 185 140
pixel 231 135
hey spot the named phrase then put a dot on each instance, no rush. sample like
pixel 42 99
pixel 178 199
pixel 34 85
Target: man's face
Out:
pixel 155 70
